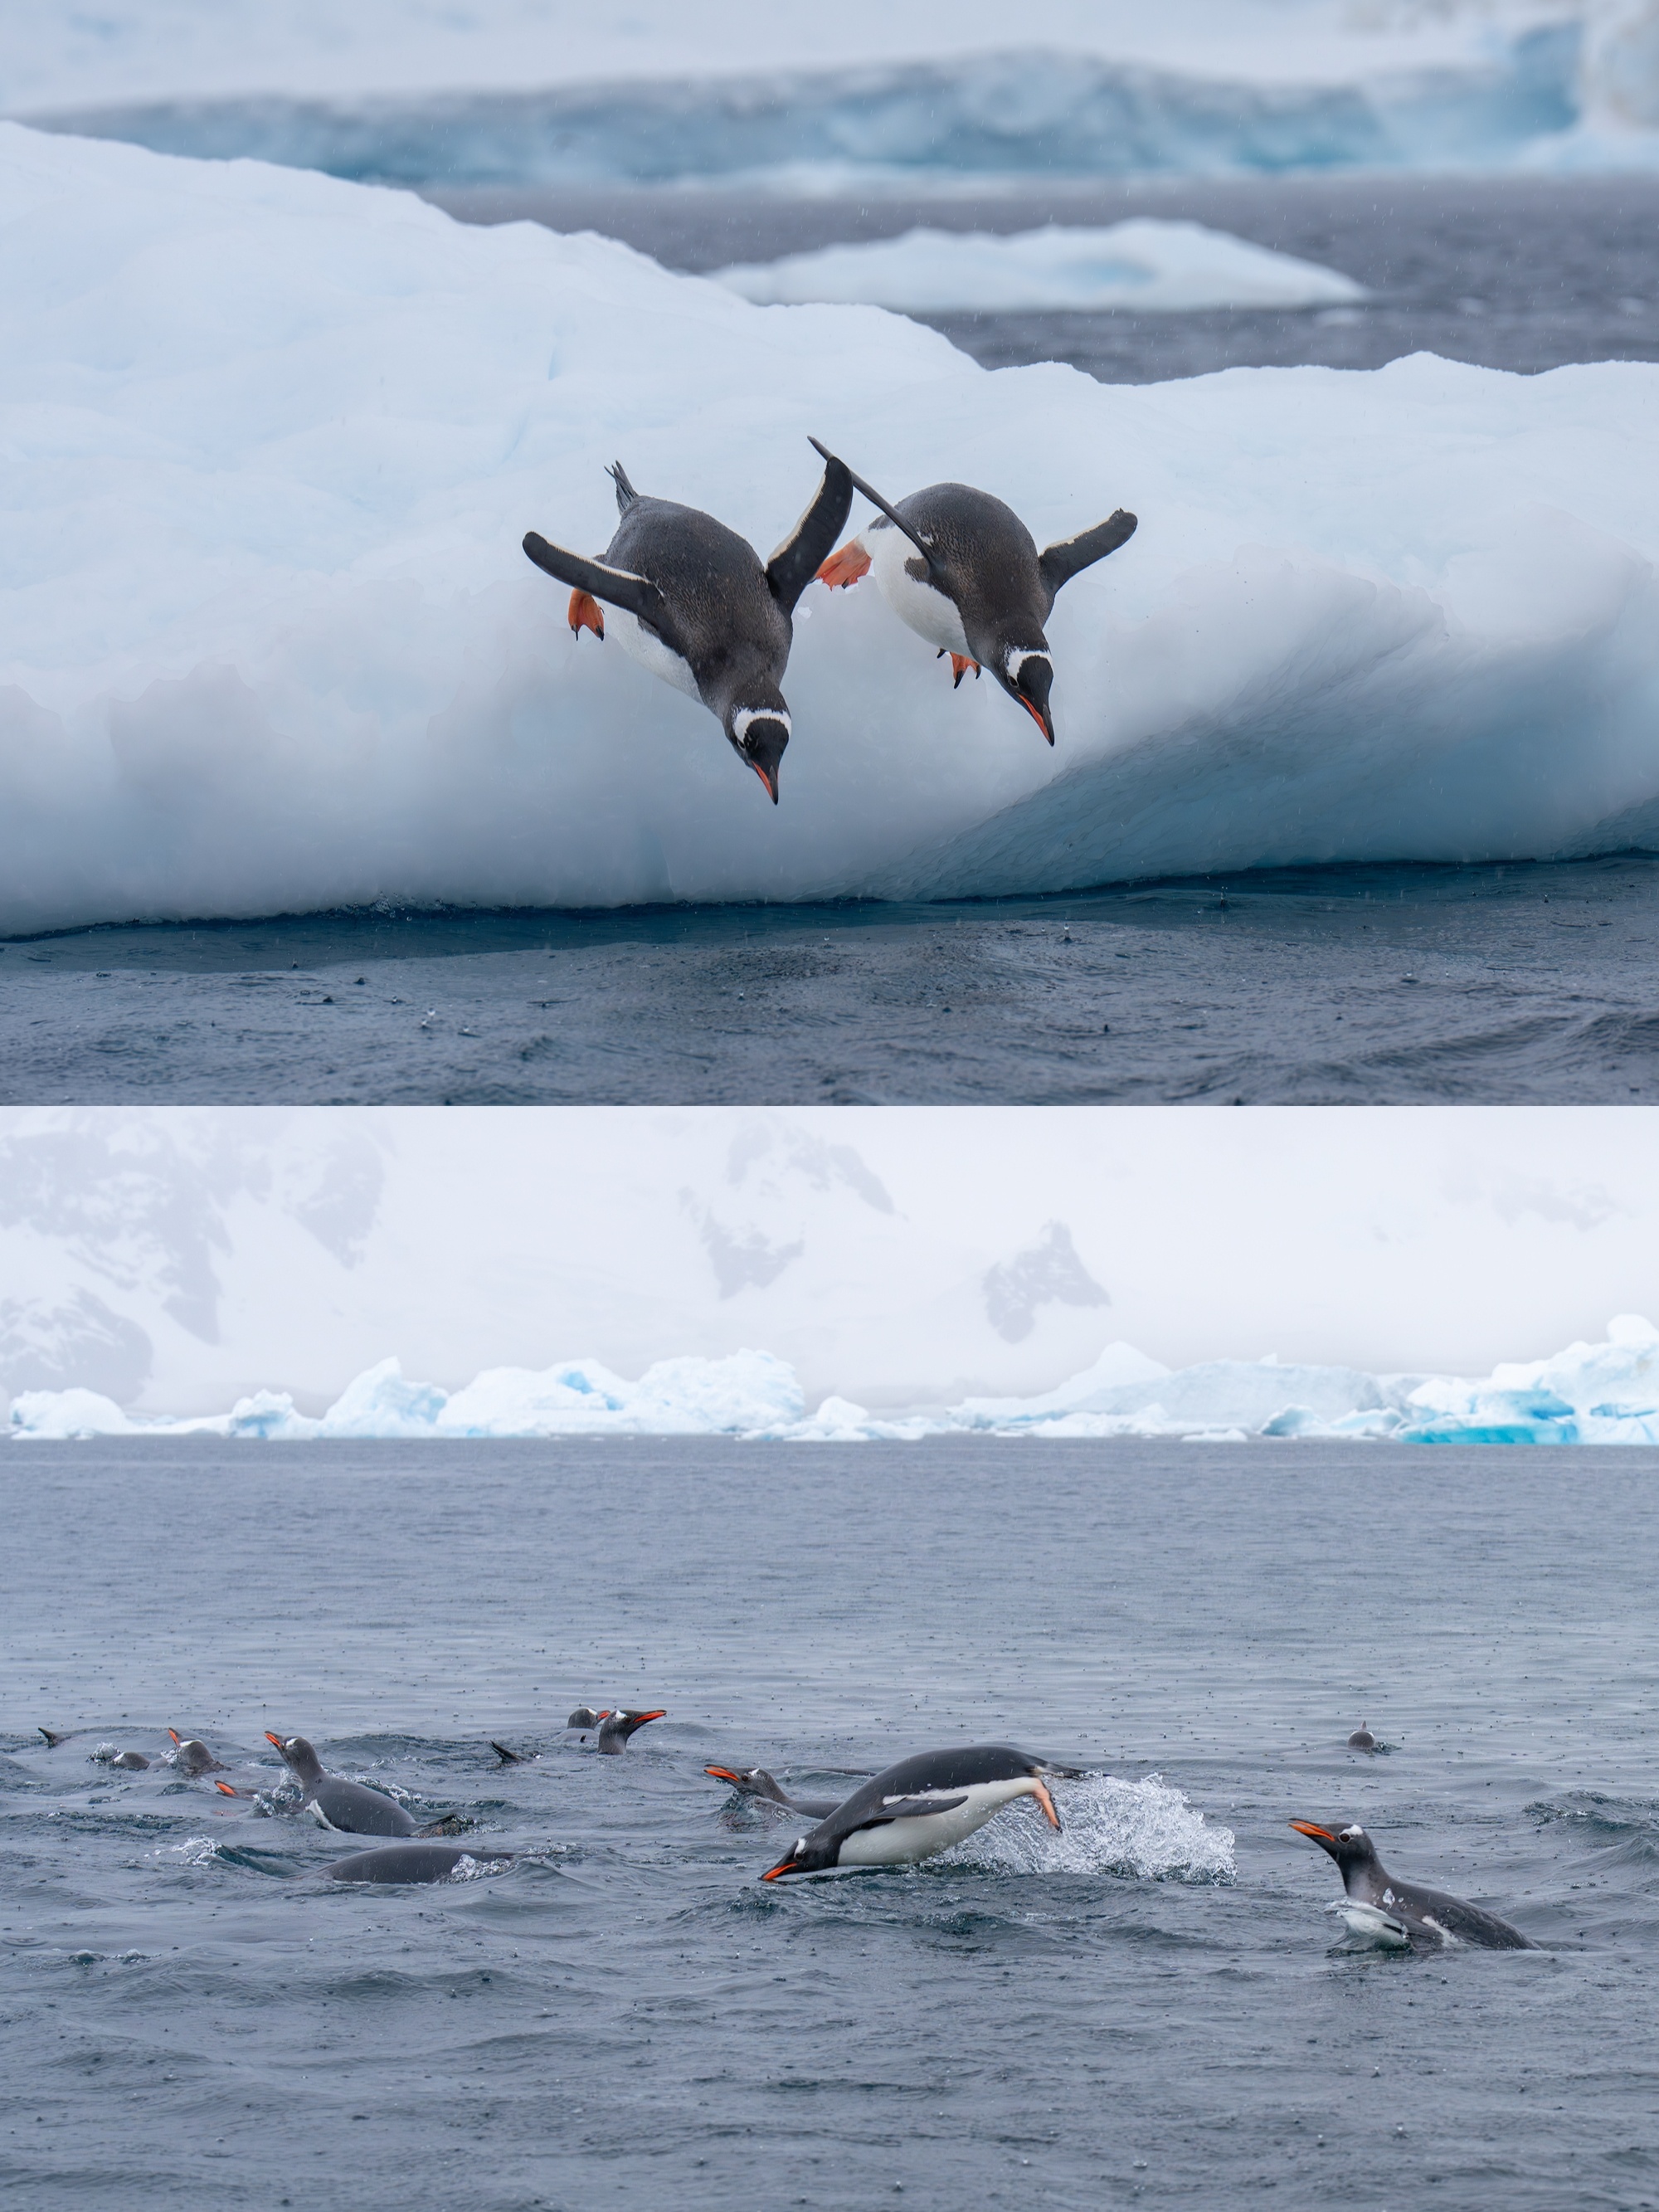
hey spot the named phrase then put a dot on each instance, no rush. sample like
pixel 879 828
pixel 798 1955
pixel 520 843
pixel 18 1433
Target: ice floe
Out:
pixel 1150 265
pixel 273 441
pixel 1590 1393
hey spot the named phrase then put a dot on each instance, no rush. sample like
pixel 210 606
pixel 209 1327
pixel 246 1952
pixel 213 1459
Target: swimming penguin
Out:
pixel 192 1757
pixel 963 571
pixel 615 1729
pixel 917 1807
pixel 691 602
pixel 412 1863
pixel 755 1782
pixel 1362 1740
pixel 1404 1913
pixel 351 1807
pixel 130 1762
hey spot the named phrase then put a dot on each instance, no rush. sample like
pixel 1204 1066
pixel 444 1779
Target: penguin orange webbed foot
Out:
pixel 959 666
pixel 585 615
pixel 844 567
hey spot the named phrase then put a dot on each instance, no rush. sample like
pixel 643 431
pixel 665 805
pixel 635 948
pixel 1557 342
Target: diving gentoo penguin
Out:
pixel 692 604
pixel 1362 1740
pixel 963 571
pixel 192 1757
pixel 412 1863
pixel 351 1807
pixel 755 1782
pixel 1404 1913
pixel 917 1807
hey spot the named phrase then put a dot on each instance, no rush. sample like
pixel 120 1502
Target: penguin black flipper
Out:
pixel 907 1808
pixel 891 512
pixel 508 1757
pixel 55 1736
pixel 1071 556
pixel 801 555
pixel 636 595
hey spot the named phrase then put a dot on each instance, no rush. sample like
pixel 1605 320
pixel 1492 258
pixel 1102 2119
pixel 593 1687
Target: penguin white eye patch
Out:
pixel 1017 660
pixel 745 715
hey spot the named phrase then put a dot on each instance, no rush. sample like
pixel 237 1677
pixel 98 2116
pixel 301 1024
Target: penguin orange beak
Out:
pixel 769 778
pixel 174 1734
pixel 784 1866
pixel 1040 719
pixel 1312 1828
pixel 271 1738
pixel 1039 1791
pixel 724 1774
pixel 225 1790
pixel 661 1713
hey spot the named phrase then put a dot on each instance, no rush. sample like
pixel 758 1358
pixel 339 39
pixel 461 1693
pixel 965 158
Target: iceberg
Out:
pixel 274 439
pixel 1151 266
pixel 1590 1393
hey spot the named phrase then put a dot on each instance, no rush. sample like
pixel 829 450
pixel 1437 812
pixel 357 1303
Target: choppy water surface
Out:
pixel 1154 2007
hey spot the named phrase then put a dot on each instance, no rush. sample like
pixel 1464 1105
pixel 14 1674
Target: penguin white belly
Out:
pixel 928 612
pixel 1372 1921
pixel 901 1843
pixel 644 646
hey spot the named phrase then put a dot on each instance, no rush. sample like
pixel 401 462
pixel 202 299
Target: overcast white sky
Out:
pixel 178 1257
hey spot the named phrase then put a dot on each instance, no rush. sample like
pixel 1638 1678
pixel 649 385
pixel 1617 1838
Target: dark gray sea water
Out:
pixel 1154 2009
pixel 1380 986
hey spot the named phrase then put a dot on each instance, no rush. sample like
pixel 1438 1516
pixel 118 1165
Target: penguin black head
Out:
pixel 299 1755
pixel 758 736
pixel 1025 673
pixel 805 1857
pixel 586 1718
pixel 1349 1846
pixel 191 1756
pixel 617 1728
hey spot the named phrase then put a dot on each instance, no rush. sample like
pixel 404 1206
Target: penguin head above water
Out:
pixel 1026 673
pixel 616 1728
pixel 191 1756
pixel 301 1760
pixel 1349 1846
pixel 586 1718
pixel 759 730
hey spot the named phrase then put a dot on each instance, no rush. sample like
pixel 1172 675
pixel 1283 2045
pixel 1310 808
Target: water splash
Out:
pixel 1144 1831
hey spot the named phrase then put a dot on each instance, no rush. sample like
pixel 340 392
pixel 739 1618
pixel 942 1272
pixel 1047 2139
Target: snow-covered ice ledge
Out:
pixel 1590 1393
pixel 272 441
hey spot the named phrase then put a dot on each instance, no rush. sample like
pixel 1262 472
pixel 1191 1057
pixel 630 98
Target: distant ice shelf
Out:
pixel 1590 1393
pixel 1154 266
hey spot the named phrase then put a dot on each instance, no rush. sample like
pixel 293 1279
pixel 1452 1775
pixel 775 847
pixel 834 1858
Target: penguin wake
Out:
pixel 1144 1831
pixel 276 647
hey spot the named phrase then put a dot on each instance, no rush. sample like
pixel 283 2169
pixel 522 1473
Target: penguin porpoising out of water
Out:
pixel 919 1807
pixel 1404 1914
pixel 964 573
pixel 691 602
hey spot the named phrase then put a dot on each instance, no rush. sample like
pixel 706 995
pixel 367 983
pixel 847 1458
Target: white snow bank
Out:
pixel 273 440
pixel 1590 1393
pixel 1150 265
pixel 1146 1830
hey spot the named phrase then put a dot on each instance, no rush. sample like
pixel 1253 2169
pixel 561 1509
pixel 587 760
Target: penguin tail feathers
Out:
pixel 1071 556
pixel 55 1736
pixel 626 494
